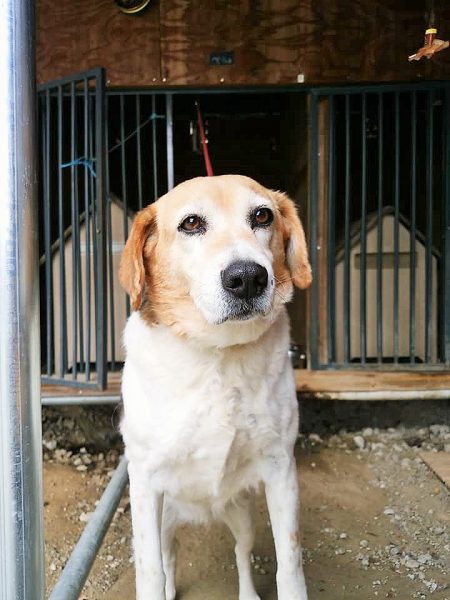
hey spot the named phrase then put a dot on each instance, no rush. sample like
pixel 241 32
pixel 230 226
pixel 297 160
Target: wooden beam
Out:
pixel 439 463
pixel 335 383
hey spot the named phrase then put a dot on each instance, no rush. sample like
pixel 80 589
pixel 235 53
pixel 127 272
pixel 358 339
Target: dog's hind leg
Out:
pixel 238 516
pixel 168 548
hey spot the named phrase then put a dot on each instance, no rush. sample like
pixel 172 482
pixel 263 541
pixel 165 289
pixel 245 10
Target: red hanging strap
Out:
pixel 208 166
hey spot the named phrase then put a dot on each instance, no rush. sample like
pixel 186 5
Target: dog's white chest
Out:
pixel 201 421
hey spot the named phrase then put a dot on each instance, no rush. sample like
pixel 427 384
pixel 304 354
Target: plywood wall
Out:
pixel 75 35
pixel 273 41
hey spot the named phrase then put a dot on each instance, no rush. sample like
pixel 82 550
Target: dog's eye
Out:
pixel 262 217
pixel 192 224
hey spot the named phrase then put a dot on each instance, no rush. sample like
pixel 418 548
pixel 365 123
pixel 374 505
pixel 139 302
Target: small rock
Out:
pixel 411 563
pixel 50 444
pixel 359 441
pixel 388 511
pixel 424 559
pixel 85 516
pixel 367 431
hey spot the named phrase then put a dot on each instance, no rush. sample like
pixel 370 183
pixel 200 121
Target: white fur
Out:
pixel 201 427
pixel 209 415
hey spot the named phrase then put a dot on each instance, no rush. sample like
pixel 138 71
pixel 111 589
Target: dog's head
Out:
pixel 215 259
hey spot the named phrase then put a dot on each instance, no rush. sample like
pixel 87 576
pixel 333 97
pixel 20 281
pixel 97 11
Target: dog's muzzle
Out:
pixel 245 280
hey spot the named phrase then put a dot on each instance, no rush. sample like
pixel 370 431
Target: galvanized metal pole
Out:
pixel 21 527
pixel 77 569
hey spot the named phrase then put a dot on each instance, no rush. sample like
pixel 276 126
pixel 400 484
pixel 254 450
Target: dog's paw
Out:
pixel 171 594
pixel 170 591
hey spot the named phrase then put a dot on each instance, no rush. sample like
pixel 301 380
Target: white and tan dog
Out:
pixel 210 409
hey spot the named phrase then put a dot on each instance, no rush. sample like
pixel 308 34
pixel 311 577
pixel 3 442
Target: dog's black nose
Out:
pixel 244 279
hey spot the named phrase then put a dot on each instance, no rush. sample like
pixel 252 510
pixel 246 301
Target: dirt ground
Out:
pixel 375 523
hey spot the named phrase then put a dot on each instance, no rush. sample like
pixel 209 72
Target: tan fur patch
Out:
pixel 160 291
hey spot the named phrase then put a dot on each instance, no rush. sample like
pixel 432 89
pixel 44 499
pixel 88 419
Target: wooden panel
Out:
pixel 439 463
pixel 269 38
pixel 273 42
pixel 369 381
pixel 74 35
pixel 365 40
pixel 62 391
pixel 308 382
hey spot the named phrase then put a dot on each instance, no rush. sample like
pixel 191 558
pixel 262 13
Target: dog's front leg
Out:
pixel 282 495
pixel 146 507
pixel 238 517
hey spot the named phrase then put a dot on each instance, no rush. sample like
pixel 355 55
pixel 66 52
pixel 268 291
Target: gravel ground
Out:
pixel 375 519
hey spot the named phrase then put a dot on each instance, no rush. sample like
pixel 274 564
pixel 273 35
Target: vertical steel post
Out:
pixel 445 238
pixel 139 149
pixel 169 142
pixel 101 347
pixel 429 226
pixel 62 257
pixel 413 234
pixel 124 181
pixel 331 254
pixel 363 261
pixel 154 149
pixel 21 522
pixel 88 226
pixel 396 226
pixel 347 241
pixel 313 132
pixel 380 201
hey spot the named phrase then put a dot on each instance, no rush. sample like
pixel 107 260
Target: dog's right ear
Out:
pixel 132 263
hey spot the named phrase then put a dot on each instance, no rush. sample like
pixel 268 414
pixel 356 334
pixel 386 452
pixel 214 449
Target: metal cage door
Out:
pixel 380 230
pixel 73 266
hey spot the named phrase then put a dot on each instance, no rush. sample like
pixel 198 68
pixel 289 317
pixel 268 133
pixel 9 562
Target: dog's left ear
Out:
pixel 294 241
pixel 132 264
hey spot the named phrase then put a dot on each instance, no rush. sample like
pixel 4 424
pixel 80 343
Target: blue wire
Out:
pixel 85 162
pixel 81 162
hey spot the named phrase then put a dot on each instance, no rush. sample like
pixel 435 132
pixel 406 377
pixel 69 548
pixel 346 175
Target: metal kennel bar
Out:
pixel 384 253
pixel 73 240
pixel 104 155
pixel 21 502
pixel 78 566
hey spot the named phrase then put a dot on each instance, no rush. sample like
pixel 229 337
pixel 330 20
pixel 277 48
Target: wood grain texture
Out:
pixel 60 391
pixel 269 38
pixel 273 41
pixel 76 35
pixel 439 463
pixel 365 381
pixel 308 383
